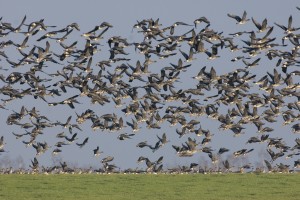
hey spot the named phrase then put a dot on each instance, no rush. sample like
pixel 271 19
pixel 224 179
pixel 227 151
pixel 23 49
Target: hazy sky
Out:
pixel 123 15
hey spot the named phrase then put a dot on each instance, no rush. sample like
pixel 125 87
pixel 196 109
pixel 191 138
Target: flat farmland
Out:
pixel 150 186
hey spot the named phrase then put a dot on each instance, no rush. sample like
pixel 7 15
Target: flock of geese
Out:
pixel 51 70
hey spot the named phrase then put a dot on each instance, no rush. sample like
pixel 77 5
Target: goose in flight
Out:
pixel 240 20
pixel 288 29
pixel 2 143
pixel 85 141
pixel 261 27
pixel 97 152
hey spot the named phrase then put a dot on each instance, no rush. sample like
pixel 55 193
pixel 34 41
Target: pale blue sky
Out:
pixel 123 15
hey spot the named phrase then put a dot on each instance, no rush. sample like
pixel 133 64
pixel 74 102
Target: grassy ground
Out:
pixel 188 186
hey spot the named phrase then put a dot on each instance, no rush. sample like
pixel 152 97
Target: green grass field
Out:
pixel 149 186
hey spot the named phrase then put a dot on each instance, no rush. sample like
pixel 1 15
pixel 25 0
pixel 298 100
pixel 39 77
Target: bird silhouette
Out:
pixel 192 100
